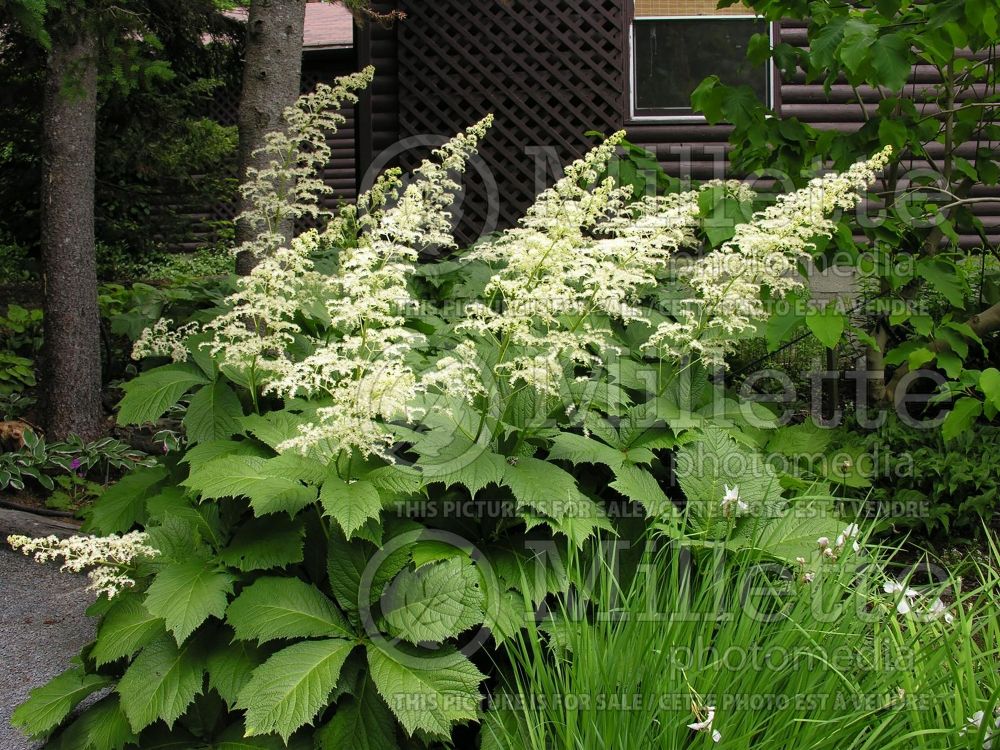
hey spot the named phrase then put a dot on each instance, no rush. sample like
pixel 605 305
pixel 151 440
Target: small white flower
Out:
pixel 823 542
pixel 731 501
pixel 705 725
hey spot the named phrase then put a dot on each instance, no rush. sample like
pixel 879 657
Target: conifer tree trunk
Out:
pixel 271 80
pixel 72 355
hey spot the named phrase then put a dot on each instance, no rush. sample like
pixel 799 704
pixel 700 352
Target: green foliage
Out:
pixel 636 654
pixel 935 482
pixel 928 302
pixel 39 460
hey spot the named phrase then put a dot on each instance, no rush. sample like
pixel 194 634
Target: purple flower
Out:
pixel 75 463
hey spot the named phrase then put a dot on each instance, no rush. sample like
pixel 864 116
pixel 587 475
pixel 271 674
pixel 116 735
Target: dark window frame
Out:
pixel 634 115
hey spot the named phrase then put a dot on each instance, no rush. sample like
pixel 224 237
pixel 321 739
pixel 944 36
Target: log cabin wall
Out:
pixel 550 71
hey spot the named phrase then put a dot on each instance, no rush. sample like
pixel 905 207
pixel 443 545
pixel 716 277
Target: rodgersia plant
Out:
pixel 322 568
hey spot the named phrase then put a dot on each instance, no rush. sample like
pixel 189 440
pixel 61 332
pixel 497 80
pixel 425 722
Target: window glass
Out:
pixel 672 56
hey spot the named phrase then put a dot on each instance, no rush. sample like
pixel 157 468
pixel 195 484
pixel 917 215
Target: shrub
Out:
pixel 323 568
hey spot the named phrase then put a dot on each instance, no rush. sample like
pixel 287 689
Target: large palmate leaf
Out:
pixel 293 686
pixel 362 722
pixel 127 627
pixel 268 490
pixel 48 705
pixel 578 449
pixel 705 467
pixel 427 694
pixel 274 608
pixel 102 726
pixel 152 393
pixel 434 602
pixel 214 413
pixel 230 663
pixel 263 543
pixel 123 504
pixel 185 594
pixel 161 683
pixel 463 462
pixel 551 493
pixel 351 504
pixel 639 486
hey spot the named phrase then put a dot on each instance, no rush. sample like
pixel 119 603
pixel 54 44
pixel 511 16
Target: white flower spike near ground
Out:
pixel 705 724
pixel 106 560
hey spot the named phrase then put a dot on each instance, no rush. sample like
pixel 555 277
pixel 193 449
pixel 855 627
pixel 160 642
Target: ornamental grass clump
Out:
pixel 681 647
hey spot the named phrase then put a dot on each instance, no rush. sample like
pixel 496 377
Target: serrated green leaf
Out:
pixel 103 726
pixel 464 462
pixel 273 608
pixel 639 486
pixel 578 449
pixel 434 602
pixel 233 739
pixel 161 683
pixel 254 478
pixel 428 698
pixel 185 594
pixel 362 722
pixel 350 504
pixel 214 413
pixel 123 505
pixel 127 627
pixel 49 704
pixel 148 396
pixel 263 543
pixel 545 488
pixel 291 688
pixel 961 417
pixel 230 665
pixel 827 324
pixel 705 467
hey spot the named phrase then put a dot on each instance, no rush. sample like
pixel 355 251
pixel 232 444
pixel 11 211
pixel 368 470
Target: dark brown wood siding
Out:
pixel 550 71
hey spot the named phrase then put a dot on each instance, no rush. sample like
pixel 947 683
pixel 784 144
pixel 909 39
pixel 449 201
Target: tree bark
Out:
pixel 272 76
pixel 72 353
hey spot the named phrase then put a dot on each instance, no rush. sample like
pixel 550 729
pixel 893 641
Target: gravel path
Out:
pixel 42 621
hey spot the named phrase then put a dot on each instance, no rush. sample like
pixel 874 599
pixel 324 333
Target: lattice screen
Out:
pixel 548 71
pixel 687 8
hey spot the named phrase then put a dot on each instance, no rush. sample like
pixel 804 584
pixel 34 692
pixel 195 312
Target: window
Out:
pixel 678 43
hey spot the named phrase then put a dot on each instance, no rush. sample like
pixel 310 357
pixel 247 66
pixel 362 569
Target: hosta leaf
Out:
pixel 263 543
pixel 123 504
pixel 578 449
pixel 103 726
pixel 155 391
pixel 362 722
pixel 185 594
pixel 434 602
pixel 230 665
pixel 275 608
pixel 161 683
pixel 127 627
pixel 49 704
pixel 254 478
pixel 214 413
pixel 293 686
pixel 352 505
pixel 430 696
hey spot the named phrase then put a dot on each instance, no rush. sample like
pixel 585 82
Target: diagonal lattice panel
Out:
pixel 548 72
